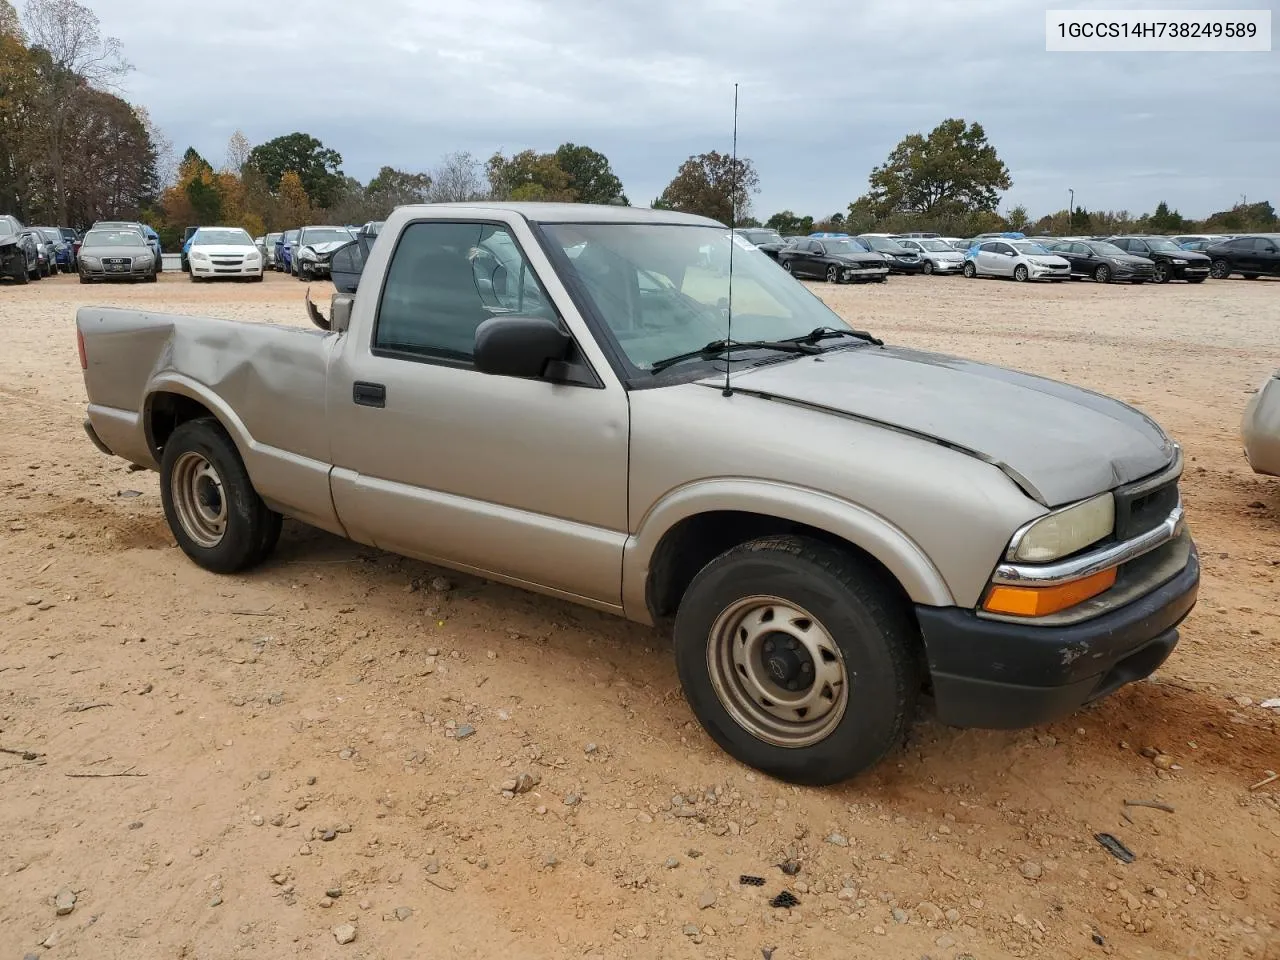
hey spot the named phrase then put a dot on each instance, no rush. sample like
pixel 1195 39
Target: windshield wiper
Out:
pixel 717 347
pixel 827 333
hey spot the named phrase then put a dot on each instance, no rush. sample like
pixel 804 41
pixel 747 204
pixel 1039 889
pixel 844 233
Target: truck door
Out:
pixel 522 479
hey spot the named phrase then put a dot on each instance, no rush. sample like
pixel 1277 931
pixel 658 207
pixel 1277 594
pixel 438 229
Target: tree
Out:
pixel 1017 218
pixel 10 25
pixel 1080 220
pixel 75 55
pixel 591 178
pixel 393 188
pixel 317 167
pixel 952 171
pixel 713 185
pixel 529 175
pixel 456 179
pixel 295 205
pixel 238 149
pixel 788 224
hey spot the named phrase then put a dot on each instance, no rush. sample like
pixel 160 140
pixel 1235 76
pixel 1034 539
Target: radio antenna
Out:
pixel 733 242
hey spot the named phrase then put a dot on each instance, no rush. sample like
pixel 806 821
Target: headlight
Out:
pixel 1063 532
pixel 1180 263
pixel 195 255
pixel 252 255
pixel 145 258
pixel 89 261
pixel 307 254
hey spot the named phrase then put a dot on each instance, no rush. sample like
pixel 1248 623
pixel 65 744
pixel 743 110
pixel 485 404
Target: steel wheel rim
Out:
pixel 199 499
pixel 777 671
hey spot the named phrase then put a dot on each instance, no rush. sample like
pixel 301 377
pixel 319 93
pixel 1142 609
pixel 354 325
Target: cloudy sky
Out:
pixel 828 87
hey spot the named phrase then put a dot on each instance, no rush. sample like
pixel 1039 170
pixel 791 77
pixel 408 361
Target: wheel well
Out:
pixel 695 541
pixel 165 413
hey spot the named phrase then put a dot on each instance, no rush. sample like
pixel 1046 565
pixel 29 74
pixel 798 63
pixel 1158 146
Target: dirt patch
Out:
pixel 215 754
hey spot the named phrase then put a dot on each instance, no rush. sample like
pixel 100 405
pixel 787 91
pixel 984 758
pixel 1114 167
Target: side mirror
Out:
pixel 346 265
pixel 340 305
pixel 509 346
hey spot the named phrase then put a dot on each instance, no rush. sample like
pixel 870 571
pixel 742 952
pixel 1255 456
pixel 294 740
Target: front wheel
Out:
pixel 1219 269
pixel 833 274
pixel 970 271
pixel 928 266
pixel 1164 273
pixel 305 272
pixel 797 659
pixel 215 514
pixel 1020 273
pixel 786 265
pixel 1102 274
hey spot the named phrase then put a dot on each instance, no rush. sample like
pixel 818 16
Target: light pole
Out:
pixel 1071 208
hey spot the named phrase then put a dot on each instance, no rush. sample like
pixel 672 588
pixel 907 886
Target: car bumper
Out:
pixel 1001 675
pixel 100 273
pixel 909 266
pixel 319 268
pixel 208 269
pixel 1191 271
pixel 863 273
pixel 1261 429
pixel 948 266
pixel 1049 273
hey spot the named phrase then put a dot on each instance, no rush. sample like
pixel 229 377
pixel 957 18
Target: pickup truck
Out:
pixel 559 397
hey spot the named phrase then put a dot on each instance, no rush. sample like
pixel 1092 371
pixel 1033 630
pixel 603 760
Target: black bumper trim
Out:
pixel 97 440
pixel 1002 675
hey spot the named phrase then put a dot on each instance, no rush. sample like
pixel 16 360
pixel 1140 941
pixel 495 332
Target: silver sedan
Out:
pixel 116 253
pixel 938 257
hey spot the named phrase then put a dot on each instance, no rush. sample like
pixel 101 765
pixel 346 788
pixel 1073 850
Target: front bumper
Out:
pixel 1190 271
pixel 1001 675
pixel 906 266
pixel 99 272
pixel 1049 273
pixel 208 268
pixel 863 273
pixel 318 268
pixel 948 266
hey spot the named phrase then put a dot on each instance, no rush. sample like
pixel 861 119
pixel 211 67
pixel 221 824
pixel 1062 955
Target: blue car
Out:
pixel 284 250
pixel 64 255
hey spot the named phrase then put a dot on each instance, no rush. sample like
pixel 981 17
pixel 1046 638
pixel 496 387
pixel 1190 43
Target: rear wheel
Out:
pixel 833 274
pixel 1102 274
pixel 1220 270
pixel 970 270
pixel 1020 273
pixel 215 514
pixel 797 659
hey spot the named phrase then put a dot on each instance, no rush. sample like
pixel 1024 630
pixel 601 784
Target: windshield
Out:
pixel 936 246
pixel 272 238
pixel 1106 249
pixel 884 244
pixel 290 236
pixel 662 289
pixel 1162 245
pixel 49 233
pixel 113 238
pixel 842 248
pixel 322 235
pixel 1026 246
pixel 205 237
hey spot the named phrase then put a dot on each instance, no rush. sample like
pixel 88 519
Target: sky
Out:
pixel 827 89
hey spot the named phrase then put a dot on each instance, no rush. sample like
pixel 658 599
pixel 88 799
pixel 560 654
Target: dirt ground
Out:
pixel 217 754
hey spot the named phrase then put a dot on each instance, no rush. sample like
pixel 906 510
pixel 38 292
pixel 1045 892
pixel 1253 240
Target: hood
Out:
pixel 1059 443
pixel 1191 256
pixel 1132 258
pixel 141 250
pixel 327 247
pixel 859 259
pixel 224 249
pixel 1055 258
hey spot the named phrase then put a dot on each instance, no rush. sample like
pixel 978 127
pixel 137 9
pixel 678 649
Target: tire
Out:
pixel 1102 274
pixel 1164 273
pixel 258 278
pixel 216 516
pixel 927 269
pixel 786 265
pixel 1196 279
pixel 83 278
pixel 1137 283
pixel 1220 270
pixel 829 603
pixel 882 279
pixel 23 277
pixel 970 271
pixel 833 274
pixel 153 277
pixel 1021 273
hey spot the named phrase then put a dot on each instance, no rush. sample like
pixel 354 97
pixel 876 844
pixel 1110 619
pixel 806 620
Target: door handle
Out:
pixel 369 394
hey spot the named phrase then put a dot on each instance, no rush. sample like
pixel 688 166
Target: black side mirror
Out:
pixel 509 346
pixel 346 265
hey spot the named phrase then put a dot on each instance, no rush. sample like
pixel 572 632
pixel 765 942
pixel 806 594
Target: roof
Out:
pixel 575 212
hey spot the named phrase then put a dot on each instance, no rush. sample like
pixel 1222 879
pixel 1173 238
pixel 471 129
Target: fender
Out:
pixel 171 382
pixel 869 531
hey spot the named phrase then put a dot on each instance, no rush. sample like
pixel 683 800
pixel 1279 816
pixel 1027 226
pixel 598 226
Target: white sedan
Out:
pixel 224 252
pixel 1020 259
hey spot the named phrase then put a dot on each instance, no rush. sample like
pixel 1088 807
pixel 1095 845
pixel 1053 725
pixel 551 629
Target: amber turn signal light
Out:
pixel 1042 601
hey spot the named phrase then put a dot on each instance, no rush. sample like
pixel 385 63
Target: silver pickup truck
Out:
pixel 566 398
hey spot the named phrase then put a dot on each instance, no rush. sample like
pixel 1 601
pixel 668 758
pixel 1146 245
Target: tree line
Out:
pixel 72 151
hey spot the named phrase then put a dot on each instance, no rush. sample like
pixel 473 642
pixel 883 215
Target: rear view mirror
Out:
pixel 346 265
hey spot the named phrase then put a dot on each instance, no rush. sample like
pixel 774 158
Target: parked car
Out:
pixel 765 239
pixel 224 253
pixel 1260 428
pixel 19 255
pixel 184 255
pixel 270 249
pixel 315 246
pixel 46 259
pixel 1103 261
pixel 116 253
pixel 937 256
pixel 1014 545
pixel 1209 238
pixel 63 257
pixel 1020 259
pixel 1171 261
pixel 898 257
pixel 152 238
pixel 956 243
pixel 835 259
pixel 284 255
pixel 1253 256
